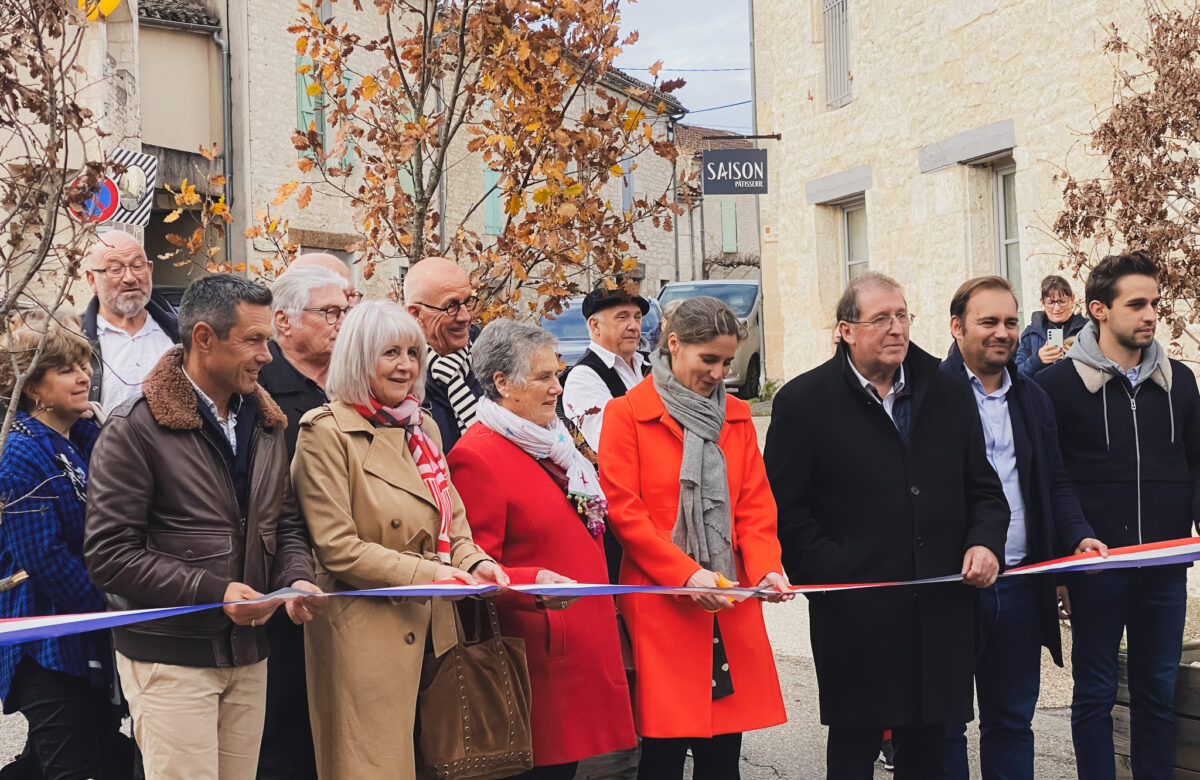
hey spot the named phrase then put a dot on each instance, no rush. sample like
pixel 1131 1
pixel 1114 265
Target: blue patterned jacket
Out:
pixel 43 486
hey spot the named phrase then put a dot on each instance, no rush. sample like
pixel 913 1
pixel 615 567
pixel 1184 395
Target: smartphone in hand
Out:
pixel 1054 336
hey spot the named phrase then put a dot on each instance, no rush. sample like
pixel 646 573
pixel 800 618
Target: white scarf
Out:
pixel 551 441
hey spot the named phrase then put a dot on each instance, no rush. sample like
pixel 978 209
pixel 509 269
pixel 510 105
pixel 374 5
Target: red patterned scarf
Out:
pixel 430 463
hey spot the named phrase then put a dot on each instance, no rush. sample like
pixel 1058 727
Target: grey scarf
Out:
pixel 703 527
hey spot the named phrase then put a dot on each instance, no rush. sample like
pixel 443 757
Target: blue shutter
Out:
pixel 627 185
pixel 347 161
pixel 308 107
pixel 729 242
pixel 493 215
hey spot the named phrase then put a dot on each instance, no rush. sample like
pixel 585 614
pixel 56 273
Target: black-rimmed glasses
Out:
pixel 451 309
pixel 332 313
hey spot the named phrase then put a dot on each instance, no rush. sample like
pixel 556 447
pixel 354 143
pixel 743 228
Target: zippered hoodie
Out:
pixel 1132 449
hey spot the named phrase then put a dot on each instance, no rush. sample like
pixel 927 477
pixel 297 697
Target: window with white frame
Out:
pixel 836 17
pixel 1008 245
pixel 855 257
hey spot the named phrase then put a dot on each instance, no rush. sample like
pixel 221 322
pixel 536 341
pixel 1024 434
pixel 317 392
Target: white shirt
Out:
pixel 1002 454
pixel 127 359
pixel 889 400
pixel 228 426
pixel 586 391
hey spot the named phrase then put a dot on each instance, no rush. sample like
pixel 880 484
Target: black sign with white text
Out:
pixel 735 172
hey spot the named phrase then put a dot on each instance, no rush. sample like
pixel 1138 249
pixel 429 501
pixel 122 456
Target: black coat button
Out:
pixel 395 524
pixel 410 637
pixel 920 541
pixel 916 491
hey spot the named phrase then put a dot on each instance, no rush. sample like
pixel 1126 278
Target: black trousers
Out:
pixel 287 742
pixel 74 730
pixel 850 752
pixel 713 758
pixel 550 772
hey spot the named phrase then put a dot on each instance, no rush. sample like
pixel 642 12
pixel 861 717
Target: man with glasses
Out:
pixel 128 328
pixel 1046 340
pixel 309 303
pixel 329 263
pixel 438 294
pixel 877 463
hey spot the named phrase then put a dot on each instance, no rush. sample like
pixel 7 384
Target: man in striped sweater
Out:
pixel 438 293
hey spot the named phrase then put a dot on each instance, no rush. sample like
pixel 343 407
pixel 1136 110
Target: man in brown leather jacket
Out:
pixel 190 502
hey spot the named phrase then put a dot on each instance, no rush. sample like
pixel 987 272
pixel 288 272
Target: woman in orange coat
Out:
pixel 689 501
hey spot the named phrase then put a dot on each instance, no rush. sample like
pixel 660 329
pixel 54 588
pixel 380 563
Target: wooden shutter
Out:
pixel 729 241
pixel 493 215
pixel 308 107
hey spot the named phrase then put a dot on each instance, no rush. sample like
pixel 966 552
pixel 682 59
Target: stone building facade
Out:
pixel 921 140
pixel 185 74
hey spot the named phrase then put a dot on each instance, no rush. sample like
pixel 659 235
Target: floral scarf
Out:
pixel 430 463
pixel 552 441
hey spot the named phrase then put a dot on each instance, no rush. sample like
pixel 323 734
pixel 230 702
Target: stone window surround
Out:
pixel 972 147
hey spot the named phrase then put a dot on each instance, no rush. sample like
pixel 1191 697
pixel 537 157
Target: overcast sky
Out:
pixel 692 34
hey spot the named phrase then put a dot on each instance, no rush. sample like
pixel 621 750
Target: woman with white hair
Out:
pixel 373 487
pixel 536 502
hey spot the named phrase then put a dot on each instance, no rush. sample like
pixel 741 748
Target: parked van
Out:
pixel 745 299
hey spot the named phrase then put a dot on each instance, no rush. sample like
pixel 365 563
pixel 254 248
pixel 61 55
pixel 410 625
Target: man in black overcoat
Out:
pixel 877 462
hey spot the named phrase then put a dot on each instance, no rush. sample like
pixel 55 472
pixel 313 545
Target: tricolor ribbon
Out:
pixel 28 629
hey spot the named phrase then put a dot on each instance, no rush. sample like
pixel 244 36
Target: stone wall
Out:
pixel 922 73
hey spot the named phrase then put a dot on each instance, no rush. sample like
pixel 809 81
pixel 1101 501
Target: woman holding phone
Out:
pixel 1044 342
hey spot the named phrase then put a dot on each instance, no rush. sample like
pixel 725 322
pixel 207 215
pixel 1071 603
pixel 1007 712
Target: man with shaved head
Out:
pixel 438 293
pixel 129 330
pixel 332 263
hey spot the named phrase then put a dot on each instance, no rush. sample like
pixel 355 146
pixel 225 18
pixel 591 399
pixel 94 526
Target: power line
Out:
pixel 692 70
pixel 715 108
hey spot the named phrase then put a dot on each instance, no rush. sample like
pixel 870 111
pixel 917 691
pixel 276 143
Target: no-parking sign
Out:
pixel 102 205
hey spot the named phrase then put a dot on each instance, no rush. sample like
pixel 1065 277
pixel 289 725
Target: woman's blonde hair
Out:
pixel 368 330
pixel 64 346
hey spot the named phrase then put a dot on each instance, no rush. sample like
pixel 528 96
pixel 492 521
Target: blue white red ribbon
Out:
pixel 28 629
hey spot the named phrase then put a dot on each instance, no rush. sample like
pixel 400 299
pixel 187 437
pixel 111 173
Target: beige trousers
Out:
pixel 196 723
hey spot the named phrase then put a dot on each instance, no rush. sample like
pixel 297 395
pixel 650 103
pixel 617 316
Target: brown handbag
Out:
pixel 474 704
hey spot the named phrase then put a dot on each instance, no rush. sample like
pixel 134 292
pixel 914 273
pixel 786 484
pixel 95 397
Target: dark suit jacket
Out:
pixel 859 504
pixel 1054 522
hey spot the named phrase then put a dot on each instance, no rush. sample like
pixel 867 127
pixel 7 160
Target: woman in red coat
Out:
pixel 689 502
pixel 535 504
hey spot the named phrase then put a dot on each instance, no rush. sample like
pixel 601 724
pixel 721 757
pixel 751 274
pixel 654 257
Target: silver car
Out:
pixel 745 299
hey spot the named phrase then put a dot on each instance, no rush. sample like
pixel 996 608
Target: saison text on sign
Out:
pixel 735 172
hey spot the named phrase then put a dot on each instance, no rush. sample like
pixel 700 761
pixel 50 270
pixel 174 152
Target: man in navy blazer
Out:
pixel 1017 615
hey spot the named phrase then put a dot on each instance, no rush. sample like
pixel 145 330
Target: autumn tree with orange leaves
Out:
pixel 51 164
pixel 1148 193
pixel 513 81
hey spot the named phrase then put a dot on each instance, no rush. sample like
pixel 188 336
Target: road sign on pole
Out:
pixel 102 205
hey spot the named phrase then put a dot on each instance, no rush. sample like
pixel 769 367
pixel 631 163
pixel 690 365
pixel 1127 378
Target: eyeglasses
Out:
pixel 355 298
pixel 884 321
pixel 451 309
pixel 332 313
pixel 1057 302
pixel 117 270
